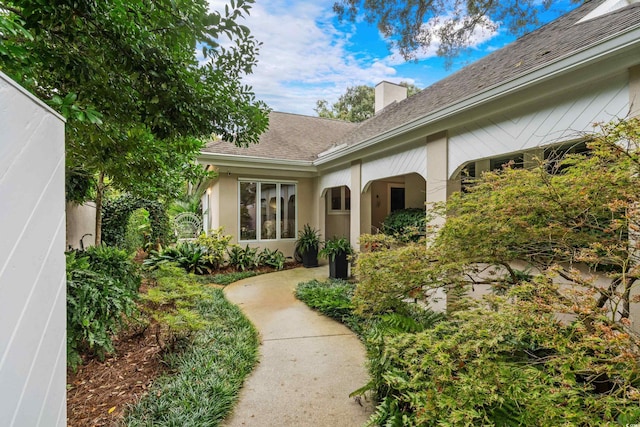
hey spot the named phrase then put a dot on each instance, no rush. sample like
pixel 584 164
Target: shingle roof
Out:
pixel 290 137
pixel 297 137
pixel 557 39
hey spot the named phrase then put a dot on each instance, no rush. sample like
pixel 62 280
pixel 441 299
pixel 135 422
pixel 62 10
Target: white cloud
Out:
pixel 481 34
pixel 305 57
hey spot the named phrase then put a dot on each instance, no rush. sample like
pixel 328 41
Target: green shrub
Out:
pixel 274 259
pixel 138 231
pixel 513 364
pixel 115 217
pixel 388 276
pixel 217 245
pixel 408 225
pixel 114 263
pixel 243 259
pixel 102 285
pixel 171 301
pixel 192 257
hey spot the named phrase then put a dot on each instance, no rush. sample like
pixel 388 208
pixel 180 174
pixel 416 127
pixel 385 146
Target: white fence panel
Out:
pixel 32 263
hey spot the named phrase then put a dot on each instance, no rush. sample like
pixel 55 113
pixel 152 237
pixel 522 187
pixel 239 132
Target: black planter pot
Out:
pixel 339 266
pixel 310 258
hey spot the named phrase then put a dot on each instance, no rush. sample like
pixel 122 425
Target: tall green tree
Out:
pixel 356 104
pixel 141 83
pixel 412 25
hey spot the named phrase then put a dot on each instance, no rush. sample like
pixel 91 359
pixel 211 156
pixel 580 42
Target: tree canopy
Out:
pixel 356 104
pixel 412 25
pixel 142 84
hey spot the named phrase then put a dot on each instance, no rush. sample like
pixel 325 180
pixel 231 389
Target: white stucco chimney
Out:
pixel 387 93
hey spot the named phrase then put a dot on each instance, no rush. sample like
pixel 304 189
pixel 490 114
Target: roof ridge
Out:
pixel 314 117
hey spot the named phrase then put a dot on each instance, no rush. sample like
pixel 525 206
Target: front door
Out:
pixel 397 198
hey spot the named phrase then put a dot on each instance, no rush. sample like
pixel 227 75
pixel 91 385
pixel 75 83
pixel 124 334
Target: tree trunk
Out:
pixel 605 295
pixel 626 298
pixel 99 198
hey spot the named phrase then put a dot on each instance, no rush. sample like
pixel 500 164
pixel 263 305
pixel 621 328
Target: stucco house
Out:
pixel 539 92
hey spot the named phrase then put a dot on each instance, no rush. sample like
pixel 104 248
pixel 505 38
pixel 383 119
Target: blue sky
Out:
pixel 308 55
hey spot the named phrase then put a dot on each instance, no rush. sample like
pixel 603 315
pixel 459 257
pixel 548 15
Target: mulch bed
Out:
pixel 99 392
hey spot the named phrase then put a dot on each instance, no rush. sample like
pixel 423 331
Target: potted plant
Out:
pixel 337 250
pixel 307 246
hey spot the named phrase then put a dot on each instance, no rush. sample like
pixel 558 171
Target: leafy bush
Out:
pixel 243 259
pixel 114 263
pixel 115 217
pixel 216 244
pixel 387 276
pixel 274 259
pixel 408 225
pixel 138 231
pixel 171 301
pixel 192 257
pixel 102 285
pixel 513 364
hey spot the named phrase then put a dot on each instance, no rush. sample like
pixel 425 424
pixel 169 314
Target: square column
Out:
pixel 356 190
pixel 437 171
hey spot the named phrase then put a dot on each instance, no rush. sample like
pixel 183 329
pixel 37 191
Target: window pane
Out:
pixel 288 206
pixel 247 211
pixel 347 199
pixel 269 210
pixel 336 196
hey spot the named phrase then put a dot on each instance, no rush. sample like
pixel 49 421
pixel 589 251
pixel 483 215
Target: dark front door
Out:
pixel 397 198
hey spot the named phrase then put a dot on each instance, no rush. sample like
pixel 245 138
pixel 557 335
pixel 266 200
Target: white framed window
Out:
pixel 268 210
pixel 339 200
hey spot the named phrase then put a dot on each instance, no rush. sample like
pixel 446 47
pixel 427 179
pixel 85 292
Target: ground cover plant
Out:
pixel 206 374
pixel 331 298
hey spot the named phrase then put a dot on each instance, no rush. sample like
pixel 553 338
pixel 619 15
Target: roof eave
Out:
pixel 607 47
pixel 236 160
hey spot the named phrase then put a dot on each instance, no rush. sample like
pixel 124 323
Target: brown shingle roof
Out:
pixel 297 137
pixel 543 46
pixel 290 137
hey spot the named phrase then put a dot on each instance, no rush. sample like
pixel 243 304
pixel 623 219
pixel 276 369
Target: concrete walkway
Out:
pixel 308 363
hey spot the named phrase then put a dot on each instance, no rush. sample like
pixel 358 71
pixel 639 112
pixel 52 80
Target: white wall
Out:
pixel 413 160
pixel 81 220
pixel 32 262
pixel 552 122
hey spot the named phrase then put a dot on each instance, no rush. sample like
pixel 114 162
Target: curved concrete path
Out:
pixel 308 363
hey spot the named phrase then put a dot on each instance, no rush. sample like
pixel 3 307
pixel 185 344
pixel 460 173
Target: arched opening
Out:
pixel 116 214
pixel 395 193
